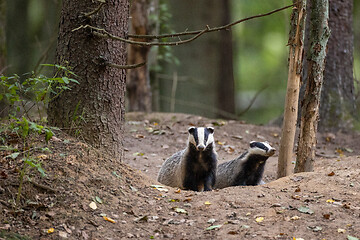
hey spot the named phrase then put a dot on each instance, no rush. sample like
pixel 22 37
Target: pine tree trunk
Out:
pixel 225 81
pixel 296 39
pixel 96 105
pixel 316 53
pixel 338 97
pixel 138 82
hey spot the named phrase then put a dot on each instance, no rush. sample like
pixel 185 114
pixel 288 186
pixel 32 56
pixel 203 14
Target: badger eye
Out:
pixel 252 144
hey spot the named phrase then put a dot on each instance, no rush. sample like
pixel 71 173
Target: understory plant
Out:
pixel 24 100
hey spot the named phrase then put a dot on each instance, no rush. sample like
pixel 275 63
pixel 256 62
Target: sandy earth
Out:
pixel 324 204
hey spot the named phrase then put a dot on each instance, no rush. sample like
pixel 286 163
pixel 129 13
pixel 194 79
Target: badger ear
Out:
pixel 252 144
pixel 191 130
pixel 210 129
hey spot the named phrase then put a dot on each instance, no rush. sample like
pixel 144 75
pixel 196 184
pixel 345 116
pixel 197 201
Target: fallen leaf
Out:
pixel 141 219
pixel 174 200
pixel 98 200
pixel 139 136
pixel 180 210
pixel 93 206
pixel 220 143
pixel 295 218
pixel 349 150
pixel 160 188
pixel 259 219
pixel 138 154
pixel 207 203
pixel 340 230
pixel 351 238
pixel 326 216
pixel 177 190
pixel 330 200
pixel 307 210
pixel 213 227
pixel 165 146
pixel 331 174
pixel 233 232
pixel 109 219
pixel 50 230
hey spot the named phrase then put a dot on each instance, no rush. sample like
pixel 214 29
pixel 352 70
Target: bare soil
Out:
pixel 324 204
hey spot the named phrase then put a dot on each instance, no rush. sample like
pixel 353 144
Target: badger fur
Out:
pixel 247 169
pixel 193 168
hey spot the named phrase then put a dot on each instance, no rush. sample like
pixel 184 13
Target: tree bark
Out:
pixel 296 39
pixel 225 80
pixel 316 53
pixel 4 106
pixel 338 97
pixel 138 82
pixel 96 105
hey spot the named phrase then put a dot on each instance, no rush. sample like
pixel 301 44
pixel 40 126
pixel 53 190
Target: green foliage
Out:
pixel 33 91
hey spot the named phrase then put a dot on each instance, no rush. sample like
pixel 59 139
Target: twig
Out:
pixel 252 100
pixel 210 29
pixel 5 203
pixel 125 66
pixel 88 15
pixel 49 189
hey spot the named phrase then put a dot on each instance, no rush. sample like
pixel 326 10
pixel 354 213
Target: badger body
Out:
pixel 193 168
pixel 247 169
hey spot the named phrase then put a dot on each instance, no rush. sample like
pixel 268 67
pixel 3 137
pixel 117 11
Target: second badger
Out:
pixel 247 169
pixel 193 168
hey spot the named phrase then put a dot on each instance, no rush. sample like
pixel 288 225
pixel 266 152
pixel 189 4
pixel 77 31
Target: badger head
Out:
pixel 201 137
pixel 261 148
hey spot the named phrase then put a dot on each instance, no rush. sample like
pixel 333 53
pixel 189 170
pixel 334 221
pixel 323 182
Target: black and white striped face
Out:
pixel 261 148
pixel 201 137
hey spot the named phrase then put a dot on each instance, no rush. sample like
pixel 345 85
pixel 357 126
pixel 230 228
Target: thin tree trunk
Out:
pixel 296 39
pixel 138 82
pixel 319 35
pixel 96 105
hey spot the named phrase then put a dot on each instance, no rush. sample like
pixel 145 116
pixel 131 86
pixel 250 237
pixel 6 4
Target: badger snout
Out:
pixel 200 147
pixel 271 152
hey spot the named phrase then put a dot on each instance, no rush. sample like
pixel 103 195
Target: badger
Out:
pixel 247 169
pixel 193 168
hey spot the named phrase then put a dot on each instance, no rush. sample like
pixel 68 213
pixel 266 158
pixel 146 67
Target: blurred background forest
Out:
pixel 220 74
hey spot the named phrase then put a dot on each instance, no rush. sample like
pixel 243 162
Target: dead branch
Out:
pixel 103 33
pixel 89 14
pixel 125 66
pixel 225 27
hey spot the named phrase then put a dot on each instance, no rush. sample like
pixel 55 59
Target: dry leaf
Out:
pixel 259 219
pixel 93 206
pixel 109 219
pixel 177 190
pixel 330 200
pixel 295 218
pixel 50 230
pixel 331 174
pixel 207 203
pixel 340 230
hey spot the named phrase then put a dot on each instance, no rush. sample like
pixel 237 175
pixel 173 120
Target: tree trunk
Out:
pixel 17 37
pixel 225 80
pixel 96 105
pixel 138 82
pixel 319 35
pixel 4 106
pixel 296 39
pixel 338 98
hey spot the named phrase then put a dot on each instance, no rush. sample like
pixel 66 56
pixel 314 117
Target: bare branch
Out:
pixel 252 100
pixel 89 14
pixel 107 34
pixel 227 26
pixel 125 66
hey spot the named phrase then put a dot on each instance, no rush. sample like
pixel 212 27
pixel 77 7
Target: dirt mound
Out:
pixel 324 204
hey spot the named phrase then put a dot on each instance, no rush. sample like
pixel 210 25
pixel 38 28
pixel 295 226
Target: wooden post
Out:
pixel 296 40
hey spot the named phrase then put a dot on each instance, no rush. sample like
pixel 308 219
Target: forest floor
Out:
pixel 87 195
